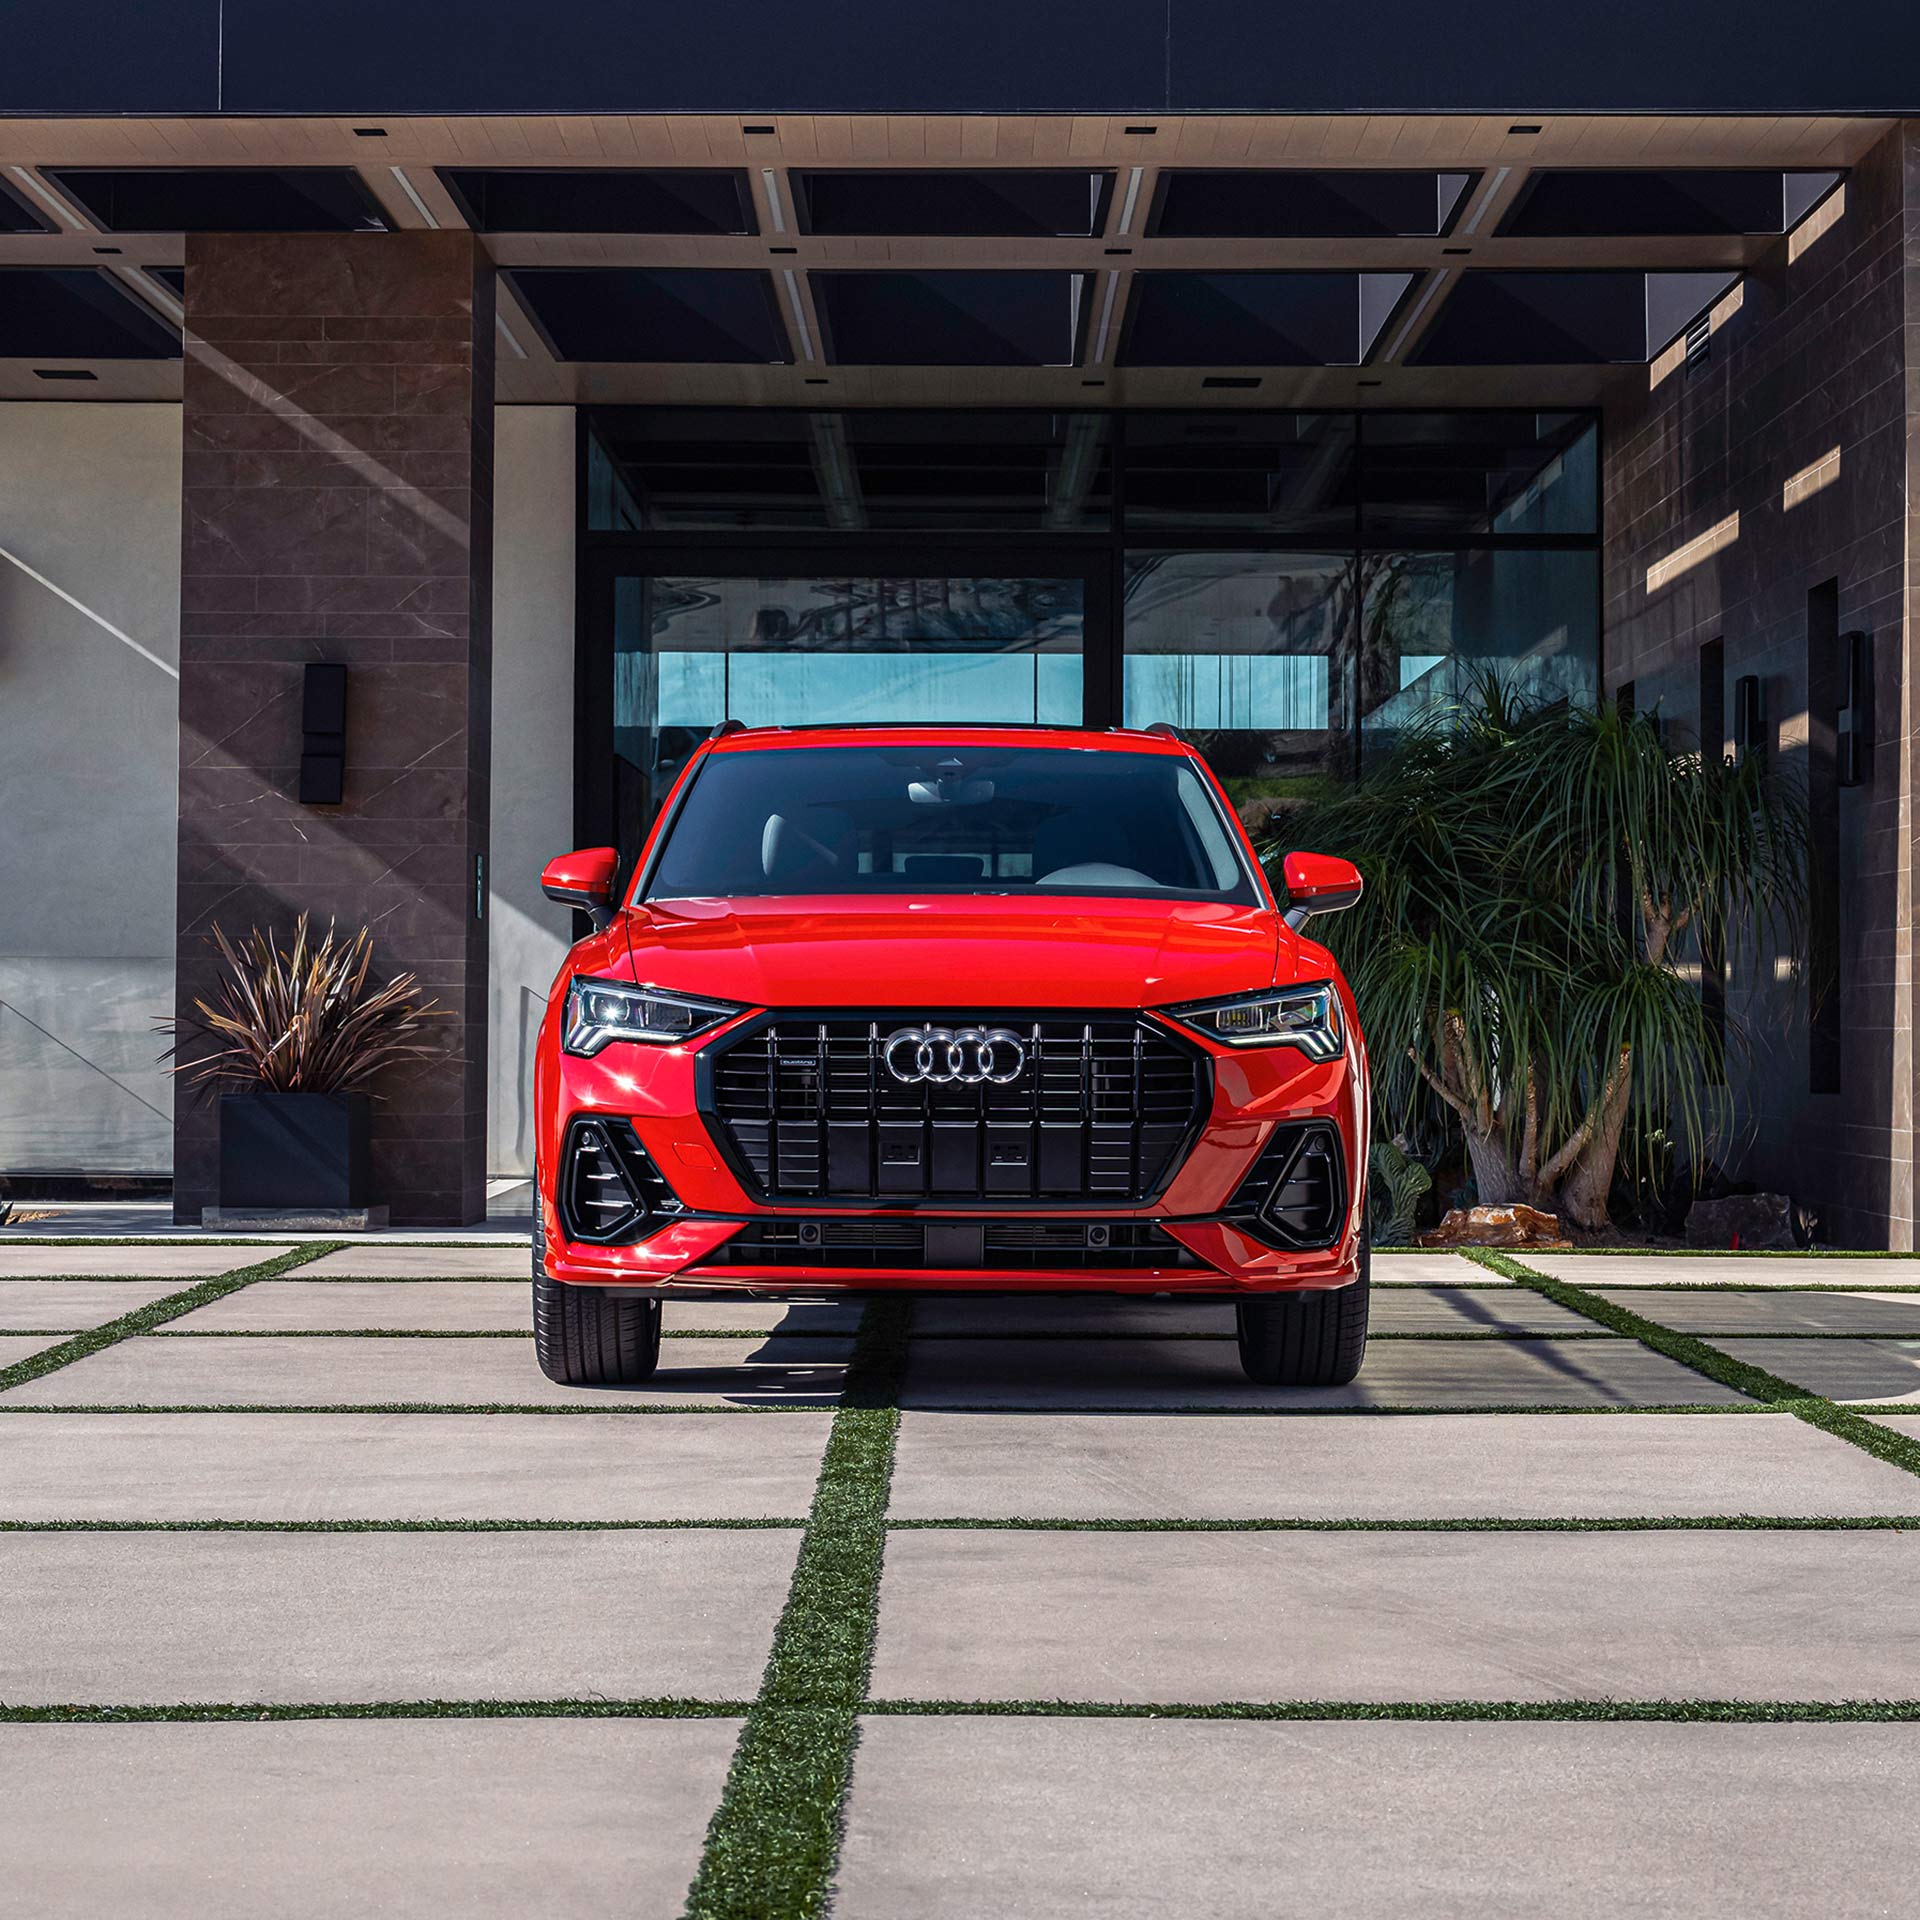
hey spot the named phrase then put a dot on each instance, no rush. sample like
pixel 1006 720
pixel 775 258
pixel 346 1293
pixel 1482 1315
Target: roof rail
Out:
pixel 1169 729
pixel 726 727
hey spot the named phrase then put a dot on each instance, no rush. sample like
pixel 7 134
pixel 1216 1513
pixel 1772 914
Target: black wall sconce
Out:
pixel 1749 715
pixel 1854 734
pixel 323 735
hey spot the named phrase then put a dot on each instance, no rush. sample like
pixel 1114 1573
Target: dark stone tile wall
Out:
pixel 1823 353
pixel 337 506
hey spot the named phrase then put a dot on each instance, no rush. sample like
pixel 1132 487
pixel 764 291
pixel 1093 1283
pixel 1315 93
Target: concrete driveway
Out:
pixel 1599 1592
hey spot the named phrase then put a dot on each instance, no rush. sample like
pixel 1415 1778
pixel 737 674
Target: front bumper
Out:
pixel 1200 1238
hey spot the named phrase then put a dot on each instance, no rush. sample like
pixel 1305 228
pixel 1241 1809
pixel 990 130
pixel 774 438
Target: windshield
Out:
pixel 943 819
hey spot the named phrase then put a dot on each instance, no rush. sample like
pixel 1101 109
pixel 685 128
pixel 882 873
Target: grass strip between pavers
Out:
pixel 1656 1523
pixel 666 1707
pixel 1692 1351
pixel 773 1843
pixel 1734 1712
pixel 399 1526
pixel 156 1313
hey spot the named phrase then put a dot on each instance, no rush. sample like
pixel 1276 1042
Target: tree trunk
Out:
pixel 1496 1180
pixel 1583 1193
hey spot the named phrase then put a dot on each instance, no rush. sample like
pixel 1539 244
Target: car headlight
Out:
pixel 1303 1017
pixel 603 1010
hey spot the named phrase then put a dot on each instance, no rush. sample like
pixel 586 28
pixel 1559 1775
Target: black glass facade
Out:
pixel 1287 588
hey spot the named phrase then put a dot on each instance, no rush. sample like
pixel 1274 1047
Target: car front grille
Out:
pixel 1101 1111
pixel 1019 1246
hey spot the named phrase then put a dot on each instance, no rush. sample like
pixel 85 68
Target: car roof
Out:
pixel 1099 739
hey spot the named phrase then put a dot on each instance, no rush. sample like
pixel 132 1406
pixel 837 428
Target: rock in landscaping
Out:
pixel 1515 1226
pixel 1747 1221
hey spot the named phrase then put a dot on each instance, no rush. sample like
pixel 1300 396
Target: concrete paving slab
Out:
pixel 405 1466
pixel 1435 1309
pixel 72 1306
pixel 761 1316
pixel 1497 1466
pixel 332 1820
pixel 1435 1269
pixel 1725 1312
pixel 295 1305
pixel 1868 1370
pixel 1031 1819
pixel 16 1346
pixel 1206 1373
pixel 182 1265
pixel 1722 1269
pixel 1192 1617
pixel 387 1260
pixel 296 1371
pixel 171 1617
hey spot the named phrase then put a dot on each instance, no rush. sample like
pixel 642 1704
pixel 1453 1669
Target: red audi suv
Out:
pixel 968 1009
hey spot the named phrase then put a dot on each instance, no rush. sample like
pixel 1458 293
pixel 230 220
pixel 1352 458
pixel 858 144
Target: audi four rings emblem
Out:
pixel 973 1056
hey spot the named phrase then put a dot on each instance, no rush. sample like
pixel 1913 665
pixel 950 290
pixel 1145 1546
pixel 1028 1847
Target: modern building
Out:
pixel 576 379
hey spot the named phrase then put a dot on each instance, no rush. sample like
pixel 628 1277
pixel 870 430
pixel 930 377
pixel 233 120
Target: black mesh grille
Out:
pixel 1006 1245
pixel 1101 1111
pixel 1296 1194
pixel 610 1192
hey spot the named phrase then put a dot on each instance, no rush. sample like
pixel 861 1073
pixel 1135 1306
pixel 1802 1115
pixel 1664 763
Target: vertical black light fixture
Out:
pixel 1854 739
pixel 1749 716
pixel 323 735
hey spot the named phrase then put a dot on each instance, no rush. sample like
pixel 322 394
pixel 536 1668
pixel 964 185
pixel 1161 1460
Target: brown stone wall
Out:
pixel 337 506
pixel 1820 354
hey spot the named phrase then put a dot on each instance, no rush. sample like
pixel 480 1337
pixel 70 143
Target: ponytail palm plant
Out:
pixel 1541 881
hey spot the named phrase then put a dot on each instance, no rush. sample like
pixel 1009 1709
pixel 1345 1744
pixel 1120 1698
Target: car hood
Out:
pixel 958 951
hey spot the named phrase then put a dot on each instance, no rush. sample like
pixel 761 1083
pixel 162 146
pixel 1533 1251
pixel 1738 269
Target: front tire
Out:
pixel 585 1337
pixel 1307 1339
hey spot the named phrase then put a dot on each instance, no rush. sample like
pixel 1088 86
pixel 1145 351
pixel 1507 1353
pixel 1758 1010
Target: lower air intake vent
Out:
pixel 1296 1195
pixel 1020 1246
pixel 610 1193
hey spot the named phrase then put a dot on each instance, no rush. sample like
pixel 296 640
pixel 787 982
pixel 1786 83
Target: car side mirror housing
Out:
pixel 584 879
pixel 1319 883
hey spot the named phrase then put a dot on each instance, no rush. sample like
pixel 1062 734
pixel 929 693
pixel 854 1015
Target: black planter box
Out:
pixel 294 1150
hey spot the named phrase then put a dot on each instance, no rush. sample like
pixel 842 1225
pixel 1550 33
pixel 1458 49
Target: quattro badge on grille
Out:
pixel 941 1056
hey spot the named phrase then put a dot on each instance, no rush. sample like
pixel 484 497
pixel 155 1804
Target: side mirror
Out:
pixel 584 880
pixel 1318 883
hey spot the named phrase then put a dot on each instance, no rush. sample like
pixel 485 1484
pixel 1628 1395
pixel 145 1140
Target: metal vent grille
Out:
pixel 1101 1110
pixel 1296 1195
pixel 1007 1245
pixel 610 1192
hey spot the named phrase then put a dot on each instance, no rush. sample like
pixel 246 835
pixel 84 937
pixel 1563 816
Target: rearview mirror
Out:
pixel 584 879
pixel 1318 883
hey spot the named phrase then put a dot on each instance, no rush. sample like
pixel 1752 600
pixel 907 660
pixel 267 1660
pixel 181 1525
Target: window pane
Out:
pixel 1247 654
pixel 1473 473
pixel 670 469
pixel 1436 622
pixel 933 818
pixel 1289 474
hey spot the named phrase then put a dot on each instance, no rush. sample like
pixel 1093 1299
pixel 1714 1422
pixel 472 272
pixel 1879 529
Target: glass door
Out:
pixel 679 641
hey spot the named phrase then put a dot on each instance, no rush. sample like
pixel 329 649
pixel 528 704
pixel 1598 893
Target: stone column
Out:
pixel 337 506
